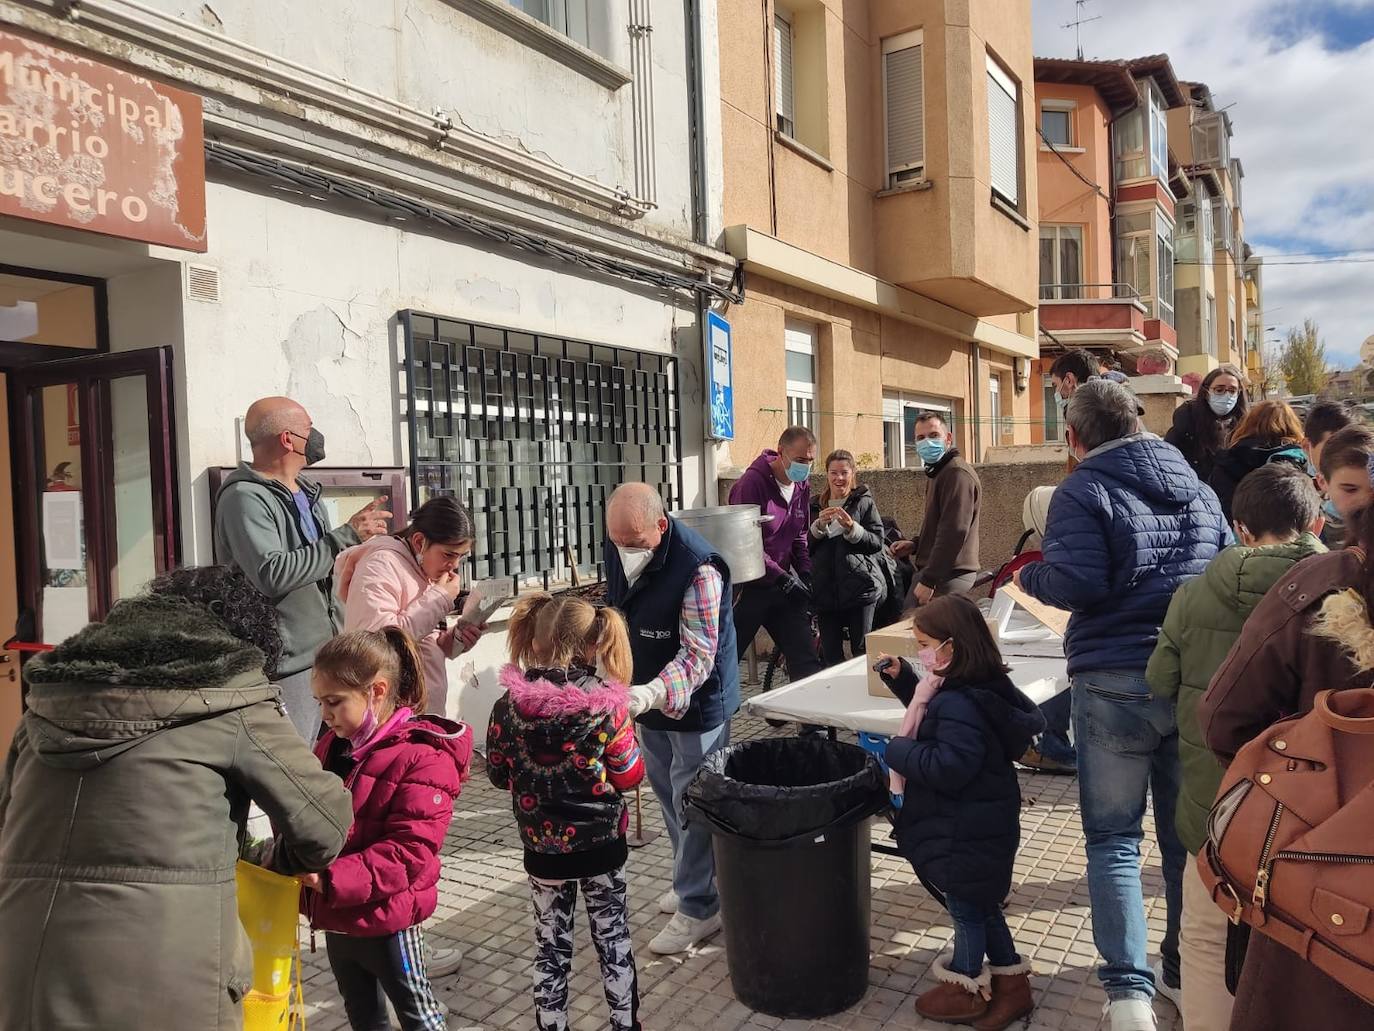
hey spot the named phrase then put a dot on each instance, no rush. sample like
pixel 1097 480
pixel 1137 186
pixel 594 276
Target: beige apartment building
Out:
pixel 880 191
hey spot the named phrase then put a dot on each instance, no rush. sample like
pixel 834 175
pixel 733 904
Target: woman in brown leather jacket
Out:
pixel 1312 632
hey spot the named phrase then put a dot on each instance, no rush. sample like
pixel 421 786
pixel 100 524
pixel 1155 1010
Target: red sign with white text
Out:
pixel 88 146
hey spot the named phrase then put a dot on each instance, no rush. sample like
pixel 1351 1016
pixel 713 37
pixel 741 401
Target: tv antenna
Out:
pixel 1078 23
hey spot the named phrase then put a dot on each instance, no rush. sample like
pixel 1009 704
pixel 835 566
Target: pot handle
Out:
pixel 761 520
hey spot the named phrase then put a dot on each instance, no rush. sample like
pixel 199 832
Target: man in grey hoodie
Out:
pixel 270 523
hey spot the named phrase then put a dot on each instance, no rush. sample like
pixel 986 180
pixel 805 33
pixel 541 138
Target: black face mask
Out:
pixel 314 447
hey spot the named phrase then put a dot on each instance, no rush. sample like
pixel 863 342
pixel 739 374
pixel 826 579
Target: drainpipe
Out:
pixel 975 398
pixel 701 210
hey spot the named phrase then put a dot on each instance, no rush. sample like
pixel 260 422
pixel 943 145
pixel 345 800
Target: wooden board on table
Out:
pixel 1056 619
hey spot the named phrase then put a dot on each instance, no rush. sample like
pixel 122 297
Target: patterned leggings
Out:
pixel 609 912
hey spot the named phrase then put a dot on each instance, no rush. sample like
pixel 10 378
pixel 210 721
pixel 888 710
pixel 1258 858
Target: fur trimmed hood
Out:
pixel 540 698
pixel 1344 619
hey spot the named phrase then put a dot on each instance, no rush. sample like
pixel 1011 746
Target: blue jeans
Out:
pixel 979 931
pixel 672 758
pixel 1054 741
pixel 1127 745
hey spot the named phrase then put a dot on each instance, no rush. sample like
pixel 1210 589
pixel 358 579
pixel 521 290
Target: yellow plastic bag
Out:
pixel 268 910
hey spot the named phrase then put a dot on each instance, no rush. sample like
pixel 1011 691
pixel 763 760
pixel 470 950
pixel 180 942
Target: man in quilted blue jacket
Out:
pixel 1129 525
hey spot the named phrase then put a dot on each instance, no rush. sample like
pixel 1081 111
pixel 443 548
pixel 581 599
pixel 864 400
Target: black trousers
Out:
pixel 394 965
pixel 857 621
pixel 787 621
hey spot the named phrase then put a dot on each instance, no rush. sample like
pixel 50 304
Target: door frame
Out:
pixel 92 374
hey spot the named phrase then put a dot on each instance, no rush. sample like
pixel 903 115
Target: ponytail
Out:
pixel 613 645
pixel 355 659
pixel 520 630
pixel 408 688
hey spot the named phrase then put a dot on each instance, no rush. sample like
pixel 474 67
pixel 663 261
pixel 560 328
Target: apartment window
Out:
pixel 800 360
pixel 1221 223
pixel 1209 326
pixel 1237 174
pixel 1165 294
pixel 1134 236
pixel 1061 263
pixel 904 108
pixel 1054 426
pixel 566 16
pixel 1205 240
pixel 1211 141
pixel 1056 123
pixel 995 408
pixel 1159 134
pixel 1186 242
pixel 900 411
pixel 1232 342
pixel 1004 135
pixel 783 90
pixel 533 433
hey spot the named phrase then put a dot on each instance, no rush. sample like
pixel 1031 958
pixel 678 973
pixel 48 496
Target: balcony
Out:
pixel 1084 313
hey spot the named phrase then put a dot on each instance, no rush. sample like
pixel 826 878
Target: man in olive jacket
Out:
pixel 1277 512
pixel 270 523
pixel 122 809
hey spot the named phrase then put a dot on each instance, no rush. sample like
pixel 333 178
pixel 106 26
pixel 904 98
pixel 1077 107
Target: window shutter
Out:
pixel 1002 134
pixel 782 73
pixel 905 107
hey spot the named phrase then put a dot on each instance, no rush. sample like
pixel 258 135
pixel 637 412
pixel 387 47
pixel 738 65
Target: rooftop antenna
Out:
pixel 1078 23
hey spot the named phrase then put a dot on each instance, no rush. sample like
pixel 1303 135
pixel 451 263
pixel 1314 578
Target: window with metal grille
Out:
pixel 782 75
pixel 1004 135
pixel 533 433
pixel 904 108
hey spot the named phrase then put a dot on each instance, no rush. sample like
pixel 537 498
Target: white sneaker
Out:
pixel 681 933
pixel 667 902
pixel 1130 1015
pixel 442 960
pixel 1165 991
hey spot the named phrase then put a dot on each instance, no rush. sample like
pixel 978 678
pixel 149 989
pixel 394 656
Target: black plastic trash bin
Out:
pixel 789 823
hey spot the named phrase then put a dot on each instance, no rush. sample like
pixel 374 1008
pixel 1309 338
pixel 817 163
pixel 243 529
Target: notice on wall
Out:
pixel 88 146
pixel 62 530
pixel 719 374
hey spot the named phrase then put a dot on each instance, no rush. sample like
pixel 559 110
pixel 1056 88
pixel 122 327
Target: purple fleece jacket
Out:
pixel 785 547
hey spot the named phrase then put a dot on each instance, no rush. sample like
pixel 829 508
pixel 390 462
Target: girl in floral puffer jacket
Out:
pixel 562 742
pixel 404 770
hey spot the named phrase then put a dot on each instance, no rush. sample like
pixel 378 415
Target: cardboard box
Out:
pixel 896 640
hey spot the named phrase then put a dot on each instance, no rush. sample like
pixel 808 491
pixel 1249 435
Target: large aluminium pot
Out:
pixel 734 531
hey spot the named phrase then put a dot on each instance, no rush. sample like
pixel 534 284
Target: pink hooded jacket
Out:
pixel 382 585
pixel 404 786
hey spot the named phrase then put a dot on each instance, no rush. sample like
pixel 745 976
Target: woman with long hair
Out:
pixel 123 806
pixel 1269 432
pixel 846 537
pixel 411 579
pixel 1203 426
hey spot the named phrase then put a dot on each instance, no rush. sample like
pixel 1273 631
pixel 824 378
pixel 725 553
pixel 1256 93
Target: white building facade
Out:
pixel 468 235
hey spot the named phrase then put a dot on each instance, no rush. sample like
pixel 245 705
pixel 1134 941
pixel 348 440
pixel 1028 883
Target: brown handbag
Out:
pixel 1290 847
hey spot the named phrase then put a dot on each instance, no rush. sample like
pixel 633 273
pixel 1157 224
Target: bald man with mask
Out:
pixel 270 523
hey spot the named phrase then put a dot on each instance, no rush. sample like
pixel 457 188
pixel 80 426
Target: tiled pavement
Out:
pixel 484 907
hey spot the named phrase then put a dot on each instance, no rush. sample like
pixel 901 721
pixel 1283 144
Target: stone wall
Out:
pixel 901 494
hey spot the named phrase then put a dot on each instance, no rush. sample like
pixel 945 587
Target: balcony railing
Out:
pixel 1088 292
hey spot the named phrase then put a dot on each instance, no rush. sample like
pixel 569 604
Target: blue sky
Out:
pixel 1299 77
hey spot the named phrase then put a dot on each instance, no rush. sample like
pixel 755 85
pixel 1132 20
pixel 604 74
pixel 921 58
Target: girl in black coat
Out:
pixel 959 824
pixel 847 581
pixel 1203 425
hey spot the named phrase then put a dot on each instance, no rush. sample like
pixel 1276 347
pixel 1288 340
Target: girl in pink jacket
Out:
pixel 404 770
pixel 410 579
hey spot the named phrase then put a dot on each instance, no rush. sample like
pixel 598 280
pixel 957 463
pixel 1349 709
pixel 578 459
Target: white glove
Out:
pixel 644 697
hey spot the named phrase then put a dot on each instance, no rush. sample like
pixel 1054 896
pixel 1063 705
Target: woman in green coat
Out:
pixel 1276 512
pixel 123 805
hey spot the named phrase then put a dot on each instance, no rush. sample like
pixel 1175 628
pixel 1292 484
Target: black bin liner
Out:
pixel 789 827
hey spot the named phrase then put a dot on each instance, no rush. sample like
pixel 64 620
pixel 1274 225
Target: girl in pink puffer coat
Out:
pixel 404 770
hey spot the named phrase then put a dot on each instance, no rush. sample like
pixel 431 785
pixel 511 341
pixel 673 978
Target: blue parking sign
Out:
pixel 718 378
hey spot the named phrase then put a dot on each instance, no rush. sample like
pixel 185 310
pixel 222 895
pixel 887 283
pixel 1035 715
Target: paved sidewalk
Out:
pixel 484 907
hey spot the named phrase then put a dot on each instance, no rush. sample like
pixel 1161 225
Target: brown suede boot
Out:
pixel 956 999
pixel 1011 998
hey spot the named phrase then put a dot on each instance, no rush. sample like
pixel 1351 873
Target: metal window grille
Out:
pixel 533 433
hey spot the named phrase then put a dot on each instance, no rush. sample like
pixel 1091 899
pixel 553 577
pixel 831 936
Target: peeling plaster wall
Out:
pixel 431 55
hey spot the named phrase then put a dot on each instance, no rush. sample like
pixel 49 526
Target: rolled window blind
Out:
pixel 905 107
pixel 1004 145
pixel 782 73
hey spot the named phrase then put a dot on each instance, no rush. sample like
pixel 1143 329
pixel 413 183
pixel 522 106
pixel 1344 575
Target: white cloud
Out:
pixel 1304 131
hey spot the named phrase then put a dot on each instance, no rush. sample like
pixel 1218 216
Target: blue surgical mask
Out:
pixel 1329 510
pixel 1222 404
pixel 799 472
pixel 1062 402
pixel 931 449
